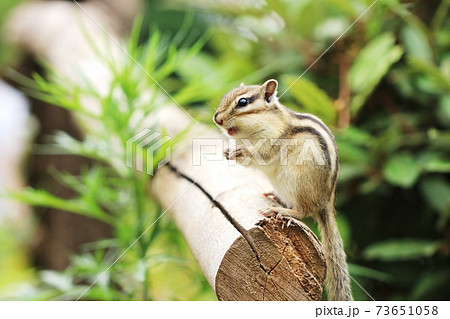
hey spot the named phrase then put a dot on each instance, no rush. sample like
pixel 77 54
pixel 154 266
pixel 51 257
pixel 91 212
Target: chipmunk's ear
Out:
pixel 269 89
pixel 242 84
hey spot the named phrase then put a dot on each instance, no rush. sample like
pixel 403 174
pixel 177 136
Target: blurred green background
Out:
pixel 383 88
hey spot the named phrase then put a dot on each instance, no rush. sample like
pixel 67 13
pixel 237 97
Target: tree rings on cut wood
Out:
pixel 289 264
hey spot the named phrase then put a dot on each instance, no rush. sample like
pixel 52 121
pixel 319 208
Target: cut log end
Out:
pixel 289 264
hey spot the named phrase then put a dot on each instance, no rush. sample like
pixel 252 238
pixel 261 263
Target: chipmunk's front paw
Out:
pixel 232 154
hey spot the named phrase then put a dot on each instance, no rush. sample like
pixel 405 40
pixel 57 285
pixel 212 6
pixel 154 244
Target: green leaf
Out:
pixel 438 165
pixel 434 162
pixel 436 191
pixel 313 99
pixel 357 270
pixel 429 284
pixel 349 152
pixel 371 65
pixel 431 71
pixel 356 136
pixel 439 139
pixel 373 62
pixel 443 112
pixel 36 197
pixel 348 171
pixel 416 42
pixel 402 249
pixel 133 38
pixel 401 170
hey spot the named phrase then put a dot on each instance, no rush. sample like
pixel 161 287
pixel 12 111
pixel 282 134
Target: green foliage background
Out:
pixel 384 89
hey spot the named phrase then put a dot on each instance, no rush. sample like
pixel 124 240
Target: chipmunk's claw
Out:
pixel 278 213
pixel 268 212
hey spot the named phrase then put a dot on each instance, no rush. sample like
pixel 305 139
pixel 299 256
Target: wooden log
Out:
pixel 261 261
pixel 243 256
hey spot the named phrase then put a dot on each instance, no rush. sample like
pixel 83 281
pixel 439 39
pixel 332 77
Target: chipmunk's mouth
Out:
pixel 232 130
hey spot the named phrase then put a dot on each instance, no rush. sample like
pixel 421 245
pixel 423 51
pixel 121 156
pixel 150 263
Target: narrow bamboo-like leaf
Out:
pixel 36 197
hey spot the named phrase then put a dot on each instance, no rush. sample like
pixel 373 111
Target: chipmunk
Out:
pixel 279 142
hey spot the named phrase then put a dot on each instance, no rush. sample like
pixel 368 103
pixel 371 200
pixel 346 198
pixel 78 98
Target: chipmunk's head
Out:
pixel 243 110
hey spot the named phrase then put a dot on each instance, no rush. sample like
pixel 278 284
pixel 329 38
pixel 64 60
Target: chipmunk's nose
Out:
pixel 218 120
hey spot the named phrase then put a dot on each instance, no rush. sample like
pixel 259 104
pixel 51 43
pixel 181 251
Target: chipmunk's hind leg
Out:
pixel 286 215
pixel 273 197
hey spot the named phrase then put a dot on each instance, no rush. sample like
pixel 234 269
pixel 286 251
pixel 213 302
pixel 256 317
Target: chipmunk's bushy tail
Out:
pixel 337 281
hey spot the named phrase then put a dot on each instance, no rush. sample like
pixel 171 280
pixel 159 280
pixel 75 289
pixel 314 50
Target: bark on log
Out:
pixel 243 256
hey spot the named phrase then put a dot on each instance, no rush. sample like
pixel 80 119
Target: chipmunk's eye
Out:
pixel 242 102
